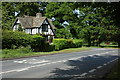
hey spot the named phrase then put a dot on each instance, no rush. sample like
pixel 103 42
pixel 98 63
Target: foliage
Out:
pixel 14 40
pixel 11 40
pixel 60 44
pixel 77 43
pixel 93 22
pixel 63 33
pixel 7 15
pixel 60 12
pixel 66 43
pixel 11 10
pixel 37 42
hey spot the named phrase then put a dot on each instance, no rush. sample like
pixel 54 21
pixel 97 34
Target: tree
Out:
pixel 27 8
pixel 63 33
pixel 8 15
pixel 11 10
pixel 61 12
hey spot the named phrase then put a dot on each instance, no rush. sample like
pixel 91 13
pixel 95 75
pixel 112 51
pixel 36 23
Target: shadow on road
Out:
pixel 76 67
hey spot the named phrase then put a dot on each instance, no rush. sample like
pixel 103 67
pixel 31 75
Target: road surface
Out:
pixel 65 65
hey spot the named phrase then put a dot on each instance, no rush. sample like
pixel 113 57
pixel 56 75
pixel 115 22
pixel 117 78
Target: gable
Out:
pixel 17 25
pixel 45 22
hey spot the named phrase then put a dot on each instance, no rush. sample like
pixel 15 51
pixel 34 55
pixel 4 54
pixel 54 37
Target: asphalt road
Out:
pixel 65 65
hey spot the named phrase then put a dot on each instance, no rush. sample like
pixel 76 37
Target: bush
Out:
pixel 15 39
pixel 60 44
pixel 70 43
pixel 11 39
pixel 77 43
pixel 38 44
pixel 67 43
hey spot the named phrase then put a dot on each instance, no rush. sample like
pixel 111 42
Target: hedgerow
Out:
pixel 15 40
pixel 67 43
pixel 11 39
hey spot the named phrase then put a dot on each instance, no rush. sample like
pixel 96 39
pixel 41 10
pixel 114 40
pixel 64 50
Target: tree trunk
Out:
pixel 89 43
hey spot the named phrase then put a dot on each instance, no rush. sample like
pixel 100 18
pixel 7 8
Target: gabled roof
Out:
pixel 32 22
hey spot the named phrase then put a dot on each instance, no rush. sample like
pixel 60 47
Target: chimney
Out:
pixel 38 15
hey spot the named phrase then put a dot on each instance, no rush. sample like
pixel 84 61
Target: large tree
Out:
pixel 11 10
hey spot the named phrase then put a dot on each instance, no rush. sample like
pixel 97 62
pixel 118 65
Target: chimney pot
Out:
pixel 38 15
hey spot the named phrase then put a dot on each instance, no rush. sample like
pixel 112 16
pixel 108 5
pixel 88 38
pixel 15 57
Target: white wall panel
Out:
pixel 34 31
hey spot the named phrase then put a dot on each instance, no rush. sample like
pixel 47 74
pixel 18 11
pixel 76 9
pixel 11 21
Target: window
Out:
pixel 45 28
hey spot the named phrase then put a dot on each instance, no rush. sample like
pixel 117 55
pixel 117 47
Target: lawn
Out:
pixel 25 52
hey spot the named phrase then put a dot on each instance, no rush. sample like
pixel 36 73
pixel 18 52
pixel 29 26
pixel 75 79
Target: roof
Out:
pixel 32 22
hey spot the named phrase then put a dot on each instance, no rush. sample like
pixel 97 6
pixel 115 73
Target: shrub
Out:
pixel 38 44
pixel 60 44
pixel 15 39
pixel 77 43
pixel 67 43
pixel 11 39
pixel 70 43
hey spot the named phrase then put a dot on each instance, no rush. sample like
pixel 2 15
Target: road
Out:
pixel 65 65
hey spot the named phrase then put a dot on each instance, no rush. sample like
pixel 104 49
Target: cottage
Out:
pixel 35 25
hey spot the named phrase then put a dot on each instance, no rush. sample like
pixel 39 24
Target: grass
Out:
pixel 115 71
pixel 26 52
pixel 105 46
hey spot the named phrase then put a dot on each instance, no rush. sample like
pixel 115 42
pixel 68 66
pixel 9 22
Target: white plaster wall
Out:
pixel 34 31
pixel 18 21
pixel 15 27
pixel 49 30
pixel 40 30
pixel 28 31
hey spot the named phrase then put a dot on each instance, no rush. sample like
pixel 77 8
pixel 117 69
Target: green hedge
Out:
pixel 11 39
pixel 77 43
pixel 60 44
pixel 15 39
pixel 67 43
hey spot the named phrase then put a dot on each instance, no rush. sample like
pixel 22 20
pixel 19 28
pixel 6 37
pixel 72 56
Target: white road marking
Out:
pixel 104 64
pixel 83 74
pixel 92 70
pixel 75 58
pixel 33 59
pixel 99 67
pixel 24 61
pixel 91 55
pixel 108 62
pixel 37 62
pixel 107 52
pixel 23 69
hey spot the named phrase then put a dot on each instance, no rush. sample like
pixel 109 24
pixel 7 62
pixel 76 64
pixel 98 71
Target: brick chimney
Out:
pixel 38 15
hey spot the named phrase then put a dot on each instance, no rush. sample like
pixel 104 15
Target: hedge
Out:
pixel 60 44
pixel 15 40
pixel 67 43
pixel 40 45
pixel 11 39
pixel 77 43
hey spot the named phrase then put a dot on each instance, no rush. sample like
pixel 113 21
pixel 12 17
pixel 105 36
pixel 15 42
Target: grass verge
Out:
pixel 115 72
pixel 25 52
